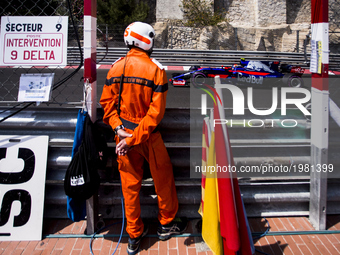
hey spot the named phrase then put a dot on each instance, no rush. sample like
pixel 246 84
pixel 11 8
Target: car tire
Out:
pixel 292 80
pixel 198 79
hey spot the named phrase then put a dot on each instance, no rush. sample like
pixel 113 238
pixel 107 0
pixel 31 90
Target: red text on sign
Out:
pixel 39 55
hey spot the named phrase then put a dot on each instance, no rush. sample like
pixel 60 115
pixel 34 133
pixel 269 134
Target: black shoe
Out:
pixel 175 227
pixel 134 243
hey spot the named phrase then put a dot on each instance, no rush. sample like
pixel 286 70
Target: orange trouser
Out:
pixel 131 173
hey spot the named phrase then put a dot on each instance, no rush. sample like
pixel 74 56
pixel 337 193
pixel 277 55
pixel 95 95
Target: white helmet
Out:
pixel 139 34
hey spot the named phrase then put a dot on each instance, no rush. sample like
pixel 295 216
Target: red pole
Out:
pixel 320 113
pixel 90 79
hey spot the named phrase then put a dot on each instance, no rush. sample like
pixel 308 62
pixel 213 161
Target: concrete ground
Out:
pixel 287 235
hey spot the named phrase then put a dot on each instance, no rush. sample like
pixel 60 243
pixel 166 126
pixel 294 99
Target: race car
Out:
pixel 198 75
pixel 246 73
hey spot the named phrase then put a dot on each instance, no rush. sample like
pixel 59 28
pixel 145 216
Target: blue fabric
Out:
pixel 78 135
pixel 76 209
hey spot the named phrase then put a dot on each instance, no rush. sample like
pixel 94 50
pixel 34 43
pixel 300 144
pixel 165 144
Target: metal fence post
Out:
pixel 171 34
pixel 106 33
pixel 236 40
pixel 297 41
pixel 90 75
pixel 320 116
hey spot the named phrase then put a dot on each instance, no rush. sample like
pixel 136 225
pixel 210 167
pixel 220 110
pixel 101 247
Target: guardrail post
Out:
pixel 320 115
pixel 90 76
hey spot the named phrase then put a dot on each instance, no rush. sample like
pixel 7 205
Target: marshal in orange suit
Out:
pixel 134 100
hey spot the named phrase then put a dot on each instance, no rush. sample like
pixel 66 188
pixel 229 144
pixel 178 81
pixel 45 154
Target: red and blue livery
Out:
pixel 250 72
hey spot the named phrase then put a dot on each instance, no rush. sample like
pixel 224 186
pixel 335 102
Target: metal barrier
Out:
pixel 204 57
pixel 262 196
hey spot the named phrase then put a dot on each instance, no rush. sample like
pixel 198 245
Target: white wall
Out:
pixel 166 9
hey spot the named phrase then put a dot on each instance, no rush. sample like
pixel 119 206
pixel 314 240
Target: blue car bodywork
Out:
pixel 246 73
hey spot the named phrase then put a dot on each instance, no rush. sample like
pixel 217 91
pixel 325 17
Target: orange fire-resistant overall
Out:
pixel 143 101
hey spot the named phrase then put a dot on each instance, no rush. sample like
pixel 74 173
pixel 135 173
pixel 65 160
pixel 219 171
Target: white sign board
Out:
pixel 35 87
pixel 316 56
pixel 23 161
pixel 34 40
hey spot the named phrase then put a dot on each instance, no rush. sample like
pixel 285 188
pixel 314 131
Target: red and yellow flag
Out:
pixel 224 225
pixel 210 222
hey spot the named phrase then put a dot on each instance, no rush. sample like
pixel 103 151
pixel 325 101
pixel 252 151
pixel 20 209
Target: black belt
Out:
pixel 132 125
